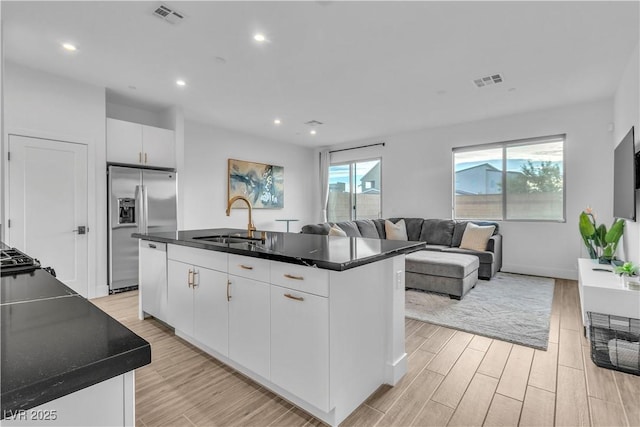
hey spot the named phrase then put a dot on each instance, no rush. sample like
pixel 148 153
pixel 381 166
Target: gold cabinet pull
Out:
pixel 246 267
pixel 145 158
pixel 228 290
pixel 195 272
pixel 291 276
pixel 190 278
pixel 139 156
pixel 294 297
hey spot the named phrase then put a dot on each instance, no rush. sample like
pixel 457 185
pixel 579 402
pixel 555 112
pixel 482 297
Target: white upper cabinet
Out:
pixel 159 147
pixel 141 145
pixel 124 142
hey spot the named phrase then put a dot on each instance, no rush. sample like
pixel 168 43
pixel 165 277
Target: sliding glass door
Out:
pixel 354 191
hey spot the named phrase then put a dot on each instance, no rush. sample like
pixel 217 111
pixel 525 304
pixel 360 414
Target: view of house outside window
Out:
pixel 354 191
pixel 518 180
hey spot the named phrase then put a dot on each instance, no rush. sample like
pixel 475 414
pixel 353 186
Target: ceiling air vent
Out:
pixel 167 14
pixel 488 80
pixel 313 123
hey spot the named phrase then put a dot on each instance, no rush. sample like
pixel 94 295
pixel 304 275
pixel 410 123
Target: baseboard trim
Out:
pixel 535 270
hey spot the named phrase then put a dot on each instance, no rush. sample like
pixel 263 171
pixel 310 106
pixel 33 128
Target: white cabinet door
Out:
pixel 211 321
pixel 180 297
pixel 159 147
pixel 300 344
pixel 153 278
pixel 249 324
pixel 124 142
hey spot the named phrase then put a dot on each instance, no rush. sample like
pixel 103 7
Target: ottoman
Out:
pixel 443 272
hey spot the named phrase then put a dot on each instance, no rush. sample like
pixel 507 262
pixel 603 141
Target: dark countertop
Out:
pixel 55 342
pixel 327 252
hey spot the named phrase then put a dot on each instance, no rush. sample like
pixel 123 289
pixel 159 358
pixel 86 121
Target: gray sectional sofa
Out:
pixel 442 235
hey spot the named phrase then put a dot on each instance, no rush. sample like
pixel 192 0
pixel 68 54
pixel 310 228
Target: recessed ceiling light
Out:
pixel 70 47
pixel 276 121
pixel 259 37
pixel 312 132
pixel 181 83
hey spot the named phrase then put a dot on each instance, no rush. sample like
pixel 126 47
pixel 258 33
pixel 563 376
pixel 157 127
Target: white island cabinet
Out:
pixel 296 345
pixel 249 313
pixel 325 340
pixel 197 302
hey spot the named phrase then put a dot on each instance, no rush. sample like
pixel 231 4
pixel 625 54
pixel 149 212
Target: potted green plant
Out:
pixel 629 273
pixel 601 244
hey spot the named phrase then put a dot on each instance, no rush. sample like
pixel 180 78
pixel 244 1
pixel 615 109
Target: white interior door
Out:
pixel 48 205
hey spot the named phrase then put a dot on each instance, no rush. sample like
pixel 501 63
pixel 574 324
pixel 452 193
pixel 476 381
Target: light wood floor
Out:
pixel 454 378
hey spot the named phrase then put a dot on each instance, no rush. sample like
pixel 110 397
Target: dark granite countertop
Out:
pixel 327 252
pixel 55 342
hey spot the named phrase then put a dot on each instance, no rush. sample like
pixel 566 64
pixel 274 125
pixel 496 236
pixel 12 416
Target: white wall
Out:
pixel 417 179
pixel 204 179
pixel 45 105
pixel 161 119
pixel 626 113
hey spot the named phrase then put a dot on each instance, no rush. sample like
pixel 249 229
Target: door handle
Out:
pixel 228 290
pixel 145 158
pixel 291 276
pixel 139 156
pixel 81 229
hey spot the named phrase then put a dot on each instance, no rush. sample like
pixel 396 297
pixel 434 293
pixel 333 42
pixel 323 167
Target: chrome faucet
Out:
pixel 250 227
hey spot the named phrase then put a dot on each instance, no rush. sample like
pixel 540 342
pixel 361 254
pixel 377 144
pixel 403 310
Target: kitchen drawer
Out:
pixel 249 267
pixel 201 257
pixel 301 278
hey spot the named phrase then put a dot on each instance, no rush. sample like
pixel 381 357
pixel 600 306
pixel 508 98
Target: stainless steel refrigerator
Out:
pixel 140 200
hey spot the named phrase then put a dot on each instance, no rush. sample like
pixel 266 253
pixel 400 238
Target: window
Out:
pixel 517 180
pixel 354 191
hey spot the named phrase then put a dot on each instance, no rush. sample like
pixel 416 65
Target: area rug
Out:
pixel 510 307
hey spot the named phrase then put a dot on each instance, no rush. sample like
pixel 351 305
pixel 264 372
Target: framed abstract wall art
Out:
pixel 262 184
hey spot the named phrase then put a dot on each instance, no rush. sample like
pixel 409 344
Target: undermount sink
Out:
pixel 227 239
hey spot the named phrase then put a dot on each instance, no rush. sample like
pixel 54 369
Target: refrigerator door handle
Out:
pixel 145 210
pixel 140 211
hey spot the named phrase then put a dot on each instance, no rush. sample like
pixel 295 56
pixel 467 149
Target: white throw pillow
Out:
pixel 476 237
pixel 397 231
pixel 337 231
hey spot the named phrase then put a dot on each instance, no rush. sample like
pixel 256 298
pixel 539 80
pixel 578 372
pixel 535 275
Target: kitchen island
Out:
pixel 319 320
pixel 64 361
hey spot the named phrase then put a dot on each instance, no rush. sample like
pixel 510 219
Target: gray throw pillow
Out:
pixel 350 227
pixel 368 228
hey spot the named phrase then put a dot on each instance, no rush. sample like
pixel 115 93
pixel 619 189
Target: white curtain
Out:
pixel 325 160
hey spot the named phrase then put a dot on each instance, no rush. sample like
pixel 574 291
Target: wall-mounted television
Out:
pixel 625 178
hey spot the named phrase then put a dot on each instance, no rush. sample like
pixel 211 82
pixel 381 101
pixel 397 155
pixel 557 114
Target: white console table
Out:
pixel 604 292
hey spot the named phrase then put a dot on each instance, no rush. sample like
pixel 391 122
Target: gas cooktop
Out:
pixel 12 261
